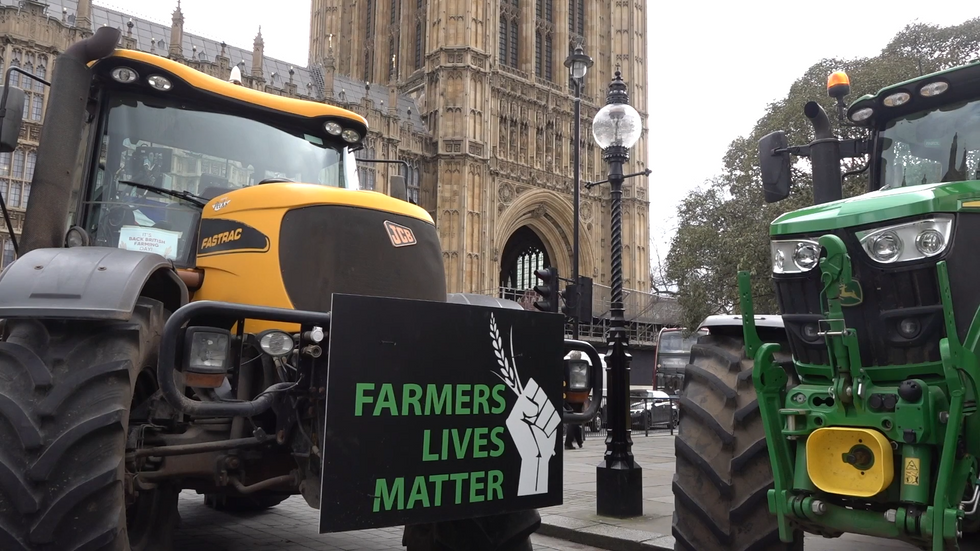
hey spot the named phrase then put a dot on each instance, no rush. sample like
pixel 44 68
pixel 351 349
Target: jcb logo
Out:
pixel 400 235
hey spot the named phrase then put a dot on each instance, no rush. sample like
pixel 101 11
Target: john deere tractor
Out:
pixel 859 415
pixel 167 322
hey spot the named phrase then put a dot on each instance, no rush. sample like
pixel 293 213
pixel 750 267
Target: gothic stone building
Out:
pixel 490 79
pixel 35 32
pixel 474 96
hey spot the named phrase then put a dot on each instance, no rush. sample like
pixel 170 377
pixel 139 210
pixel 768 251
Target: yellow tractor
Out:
pixel 167 323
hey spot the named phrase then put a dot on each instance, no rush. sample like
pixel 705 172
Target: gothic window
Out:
pixel 543 53
pixel 369 38
pixel 418 45
pixel 392 59
pixel 547 57
pixel 576 28
pixel 502 55
pixel 412 182
pixel 537 55
pixel 394 12
pixel 510 20
pixel 8 252
pixel 576 21
pixel 514 40
pixel 366 171
pixel 523 254
pixel 15 62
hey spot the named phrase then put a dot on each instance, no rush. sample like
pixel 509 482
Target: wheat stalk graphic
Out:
pixel 508 371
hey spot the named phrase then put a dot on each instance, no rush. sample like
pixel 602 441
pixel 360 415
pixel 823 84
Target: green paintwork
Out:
pixel 752 340
pixel 868 100
pixel 876 207
pixel 945 468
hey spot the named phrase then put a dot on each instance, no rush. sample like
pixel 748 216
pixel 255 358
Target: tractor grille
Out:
pixel 328 249
pixel 891 295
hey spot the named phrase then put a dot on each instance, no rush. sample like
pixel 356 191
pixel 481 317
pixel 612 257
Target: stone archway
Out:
pixel 549 216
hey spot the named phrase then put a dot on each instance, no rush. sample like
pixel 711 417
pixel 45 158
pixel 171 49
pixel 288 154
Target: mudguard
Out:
pixel 98 283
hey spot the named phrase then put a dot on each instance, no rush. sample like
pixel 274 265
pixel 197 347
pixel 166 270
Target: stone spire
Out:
pixel 177 34
pixel 83 16
pixel 129 41
pixel 258 55
pixel 330 69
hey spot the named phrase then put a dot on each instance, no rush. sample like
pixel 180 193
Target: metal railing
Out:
pixel 646 313
pixel 648 416
pixel 641 307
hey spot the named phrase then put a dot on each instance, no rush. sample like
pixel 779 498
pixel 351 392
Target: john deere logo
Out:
pixel 850 293
pixel 400 235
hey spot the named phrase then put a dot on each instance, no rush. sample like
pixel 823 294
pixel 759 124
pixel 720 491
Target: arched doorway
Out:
pixel 523 254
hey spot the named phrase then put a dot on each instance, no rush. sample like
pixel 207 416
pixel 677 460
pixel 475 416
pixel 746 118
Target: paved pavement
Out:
pixel 572 526
pixel 576 520
pixel 292 526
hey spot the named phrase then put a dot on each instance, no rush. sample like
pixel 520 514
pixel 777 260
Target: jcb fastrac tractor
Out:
pixel 860 414
pixel 165 325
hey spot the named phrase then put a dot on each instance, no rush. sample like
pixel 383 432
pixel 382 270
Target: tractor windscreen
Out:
pixel 160 162
pixel 928 147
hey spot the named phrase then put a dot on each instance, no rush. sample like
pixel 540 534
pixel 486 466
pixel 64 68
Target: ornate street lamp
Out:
pixel 578 64
pixel 619 488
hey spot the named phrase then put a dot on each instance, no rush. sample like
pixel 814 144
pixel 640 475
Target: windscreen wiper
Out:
pixel 185 195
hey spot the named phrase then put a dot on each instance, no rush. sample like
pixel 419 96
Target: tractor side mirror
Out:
pixel 397 187
pixel 12 118
pixel 775 166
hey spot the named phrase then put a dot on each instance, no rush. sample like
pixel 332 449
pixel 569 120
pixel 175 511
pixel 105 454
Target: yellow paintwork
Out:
pixel 214 85
pixel 970 204
pixel 248 277
pixel 295 195
pixel 825 449
pixel 253 276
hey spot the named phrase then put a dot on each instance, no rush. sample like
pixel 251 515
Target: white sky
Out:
pixel 714 65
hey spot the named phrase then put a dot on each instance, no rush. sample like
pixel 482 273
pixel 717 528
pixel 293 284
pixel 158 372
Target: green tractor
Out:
pixel 859 414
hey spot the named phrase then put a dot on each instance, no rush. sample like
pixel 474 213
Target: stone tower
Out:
pixel 494 92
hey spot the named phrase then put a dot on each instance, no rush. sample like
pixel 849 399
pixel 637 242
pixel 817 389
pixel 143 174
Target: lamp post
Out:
pixel 619 489
pixel 578 64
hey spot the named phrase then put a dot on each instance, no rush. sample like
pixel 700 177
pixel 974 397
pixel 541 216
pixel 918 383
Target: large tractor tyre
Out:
pixel 243 504
pixel 722 470
pixel 66 392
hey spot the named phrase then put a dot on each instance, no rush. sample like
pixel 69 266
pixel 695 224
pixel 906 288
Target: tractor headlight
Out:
pixel 909 241
pixel 208 350
pixel 276 343
pixel 805 255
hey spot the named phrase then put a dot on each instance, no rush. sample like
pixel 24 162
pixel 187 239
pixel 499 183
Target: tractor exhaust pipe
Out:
pixel 824 156
pixel 46 219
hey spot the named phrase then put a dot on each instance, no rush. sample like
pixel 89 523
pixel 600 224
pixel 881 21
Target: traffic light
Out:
pixel 584 299
pixel 570 296
pixel 548 289
pixel 578 300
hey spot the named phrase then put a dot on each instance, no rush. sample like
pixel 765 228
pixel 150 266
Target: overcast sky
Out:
pixel 714 65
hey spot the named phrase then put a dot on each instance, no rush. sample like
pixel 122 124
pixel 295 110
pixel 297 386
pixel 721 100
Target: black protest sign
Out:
pixel 439 411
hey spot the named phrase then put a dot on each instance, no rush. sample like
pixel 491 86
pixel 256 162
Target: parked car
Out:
pixel 652 408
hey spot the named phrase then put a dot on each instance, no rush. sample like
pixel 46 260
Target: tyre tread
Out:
pixel 716 497
pixel 65 406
